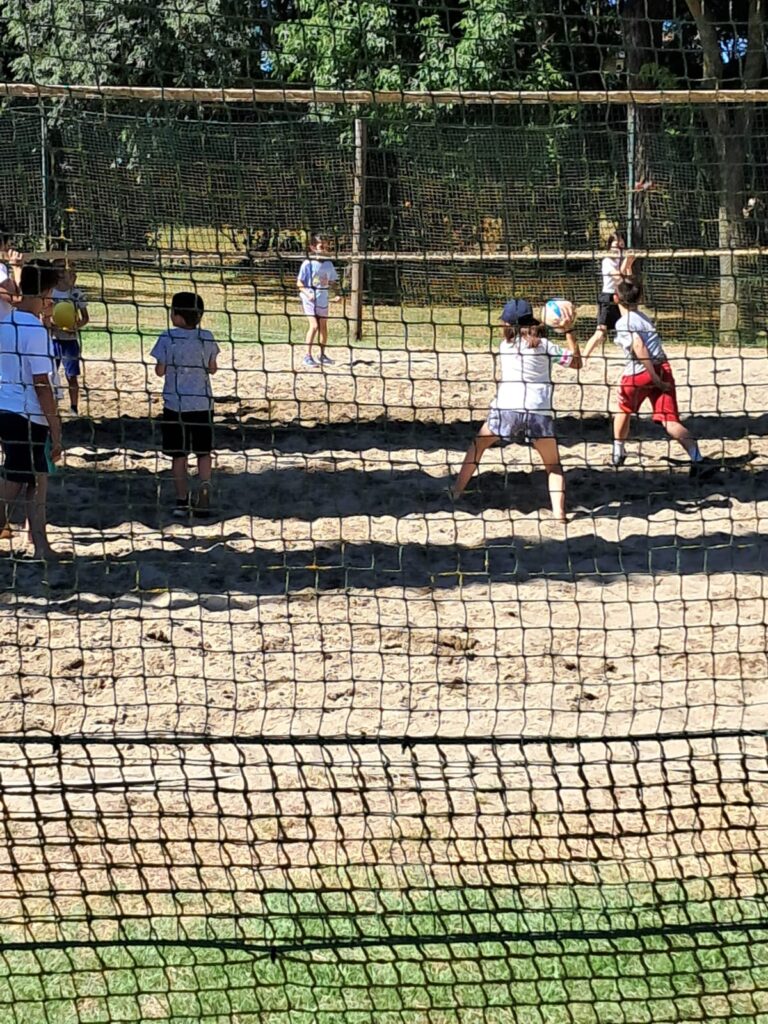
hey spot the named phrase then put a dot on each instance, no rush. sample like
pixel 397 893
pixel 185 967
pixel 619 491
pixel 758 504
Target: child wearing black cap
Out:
pixel 522 408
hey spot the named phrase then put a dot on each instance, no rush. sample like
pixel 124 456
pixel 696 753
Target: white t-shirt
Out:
pixel 25 352
pixel 186 353
pixel 637 323
pixel 5 307
pixel 610 268
pixel 526 375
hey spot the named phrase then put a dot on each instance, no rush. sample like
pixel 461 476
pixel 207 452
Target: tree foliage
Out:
pixel 135 42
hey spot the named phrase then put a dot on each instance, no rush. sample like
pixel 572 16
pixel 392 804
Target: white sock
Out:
pixel 695 454
pixel 618 449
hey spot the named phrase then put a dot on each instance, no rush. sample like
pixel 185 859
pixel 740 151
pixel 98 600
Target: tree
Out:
pixel 712 44
pixel 137 42
pixel 730 50
pixel 464 44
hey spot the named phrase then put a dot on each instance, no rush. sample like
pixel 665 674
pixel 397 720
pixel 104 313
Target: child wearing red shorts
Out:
pixel 647 375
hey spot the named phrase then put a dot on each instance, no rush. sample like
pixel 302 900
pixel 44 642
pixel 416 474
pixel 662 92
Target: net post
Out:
pixel 631 177
pixel 44 190
pixel 357 275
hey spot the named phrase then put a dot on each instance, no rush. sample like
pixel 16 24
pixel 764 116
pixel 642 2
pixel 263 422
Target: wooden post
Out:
pixel 629 233
pixel 357 274
pixel 44 189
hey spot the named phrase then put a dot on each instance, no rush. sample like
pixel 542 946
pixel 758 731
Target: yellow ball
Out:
pixel 65 315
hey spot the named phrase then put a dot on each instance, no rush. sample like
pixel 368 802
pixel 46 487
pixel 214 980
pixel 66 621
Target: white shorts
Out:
pixel 310 309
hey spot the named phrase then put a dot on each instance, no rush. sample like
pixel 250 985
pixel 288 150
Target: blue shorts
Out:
pixel 67 353
pixel 510 425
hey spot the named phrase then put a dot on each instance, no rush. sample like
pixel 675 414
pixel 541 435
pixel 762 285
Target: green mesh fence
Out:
pixel 323 742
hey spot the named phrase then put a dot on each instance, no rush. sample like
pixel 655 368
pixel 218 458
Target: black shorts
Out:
pixel 185 432
pixel 608 313
pixel 23 444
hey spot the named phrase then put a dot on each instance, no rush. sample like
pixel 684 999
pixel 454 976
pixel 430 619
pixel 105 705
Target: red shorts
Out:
pixel 633 391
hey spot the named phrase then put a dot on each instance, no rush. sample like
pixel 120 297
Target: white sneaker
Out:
pixel 309 361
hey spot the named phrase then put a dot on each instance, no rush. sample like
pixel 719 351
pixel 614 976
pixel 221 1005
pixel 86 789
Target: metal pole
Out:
pixel 631 182
pixel 44 173
pixel 357 274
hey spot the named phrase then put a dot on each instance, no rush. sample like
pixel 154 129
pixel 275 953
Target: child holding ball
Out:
pixel 522 408
pixel 317 275
pixel 66 343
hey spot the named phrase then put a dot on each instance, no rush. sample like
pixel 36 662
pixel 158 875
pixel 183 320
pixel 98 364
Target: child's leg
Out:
pixel 598 338
pixel 36 495
pixel 71 363
pixel 74 392
pixel 203 497
pixel 204 468
pixel 482 442
pixel 322 322
pixel 621 424
pixel 9 492
pixel 311 333
pixel 679 433
pixel 550 456
pixel 180 474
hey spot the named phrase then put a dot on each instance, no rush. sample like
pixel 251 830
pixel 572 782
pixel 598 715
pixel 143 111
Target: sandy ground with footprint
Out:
pixel 337 592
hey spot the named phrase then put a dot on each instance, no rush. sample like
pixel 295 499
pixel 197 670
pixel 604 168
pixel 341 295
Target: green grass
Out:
pixel 652 976
pixel 129 311
pixel 579 981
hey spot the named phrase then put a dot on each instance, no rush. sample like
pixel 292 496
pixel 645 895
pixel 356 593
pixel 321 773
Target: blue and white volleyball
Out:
pixel 558 313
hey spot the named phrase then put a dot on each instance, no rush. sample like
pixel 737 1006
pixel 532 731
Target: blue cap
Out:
pixel 519 313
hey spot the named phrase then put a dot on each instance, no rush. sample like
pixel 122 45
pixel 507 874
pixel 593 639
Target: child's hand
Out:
pixel 15 258
pixel 337 298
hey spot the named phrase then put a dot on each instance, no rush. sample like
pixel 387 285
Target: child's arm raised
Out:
pixel 643 356
pixel 572 344
pixel 627 265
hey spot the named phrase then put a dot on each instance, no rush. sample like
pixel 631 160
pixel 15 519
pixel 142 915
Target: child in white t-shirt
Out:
pixel 522 408
pixel 613 268
pixel 186 357
pixel 317 275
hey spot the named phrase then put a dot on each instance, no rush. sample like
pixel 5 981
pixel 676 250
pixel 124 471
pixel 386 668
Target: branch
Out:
pixel 713 65
pixel 753 63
